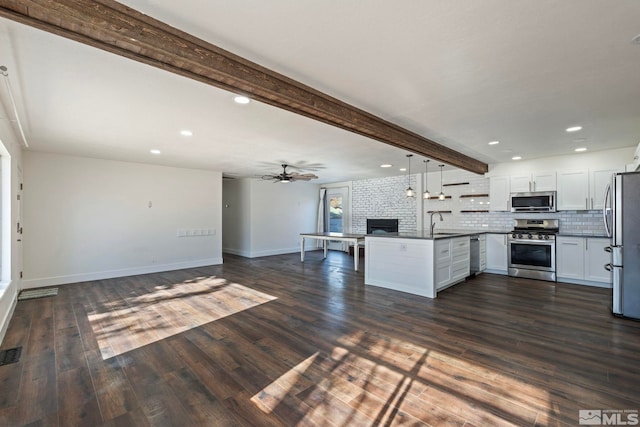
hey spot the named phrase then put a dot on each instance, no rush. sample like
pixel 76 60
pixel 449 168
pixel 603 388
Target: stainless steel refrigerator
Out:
pixel 622 220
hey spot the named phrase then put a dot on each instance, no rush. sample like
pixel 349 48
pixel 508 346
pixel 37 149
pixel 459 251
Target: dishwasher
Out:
pixel 474 252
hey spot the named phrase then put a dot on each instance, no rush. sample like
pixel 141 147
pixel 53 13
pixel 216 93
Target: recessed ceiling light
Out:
pixel 494 142
pixel 154 151
pixel 186 132
pixel 516 158
pixel 574 128
pixel 580 149
pixel 242 99
pixel 403 169
pixel 386 165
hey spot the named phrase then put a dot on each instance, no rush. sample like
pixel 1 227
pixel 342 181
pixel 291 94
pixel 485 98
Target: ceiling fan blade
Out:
pixel 305 177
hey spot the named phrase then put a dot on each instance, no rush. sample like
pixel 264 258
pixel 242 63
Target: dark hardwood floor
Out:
pixel 273 342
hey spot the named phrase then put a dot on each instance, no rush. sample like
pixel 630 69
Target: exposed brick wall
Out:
pixel 383 198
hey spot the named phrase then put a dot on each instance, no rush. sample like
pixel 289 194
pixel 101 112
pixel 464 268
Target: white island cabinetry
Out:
pixel 414 265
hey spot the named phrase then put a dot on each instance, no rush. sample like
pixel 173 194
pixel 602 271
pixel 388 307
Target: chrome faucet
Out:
pixel 433 224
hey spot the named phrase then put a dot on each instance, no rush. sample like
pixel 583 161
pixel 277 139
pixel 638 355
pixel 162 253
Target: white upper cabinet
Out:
pixel 536 181
pixel 573 190
pixel 580 190
pixel 499 193
pixel 544 181
pixel 598 181
pixel 520 183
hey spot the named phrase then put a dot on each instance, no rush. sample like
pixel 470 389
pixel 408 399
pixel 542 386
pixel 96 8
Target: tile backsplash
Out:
pixel 384 198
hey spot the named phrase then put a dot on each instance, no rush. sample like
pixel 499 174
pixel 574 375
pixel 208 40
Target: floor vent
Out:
pixel 37 293
pixel 9 356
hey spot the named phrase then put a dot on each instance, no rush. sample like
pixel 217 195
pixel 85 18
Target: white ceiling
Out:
pixel 461 72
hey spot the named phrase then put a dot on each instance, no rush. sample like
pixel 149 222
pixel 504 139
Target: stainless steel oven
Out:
pixel 532 249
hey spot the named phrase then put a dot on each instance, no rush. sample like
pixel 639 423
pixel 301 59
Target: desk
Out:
pixel 356 239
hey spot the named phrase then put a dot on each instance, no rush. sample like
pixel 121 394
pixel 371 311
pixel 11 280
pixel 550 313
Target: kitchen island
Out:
pixel 418 263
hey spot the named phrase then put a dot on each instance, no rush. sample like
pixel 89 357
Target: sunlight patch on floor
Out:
pixel 401 379
pixel 269 397
pixel 141 319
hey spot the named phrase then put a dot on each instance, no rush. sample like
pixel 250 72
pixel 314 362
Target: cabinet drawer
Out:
pixel 460 247
pixel 443 251
pixel 460 242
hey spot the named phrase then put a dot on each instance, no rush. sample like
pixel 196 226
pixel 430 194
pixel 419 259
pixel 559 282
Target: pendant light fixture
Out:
pixel 409 191
pixel 441 195
pixel 426 194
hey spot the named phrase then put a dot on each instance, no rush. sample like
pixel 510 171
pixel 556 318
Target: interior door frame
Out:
pixel 347 218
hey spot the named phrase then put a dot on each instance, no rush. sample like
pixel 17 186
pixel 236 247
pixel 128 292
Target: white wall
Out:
pixel 87 219
pixel 277 214
pixel 236 216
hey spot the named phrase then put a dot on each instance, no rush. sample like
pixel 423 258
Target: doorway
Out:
pixel 337 211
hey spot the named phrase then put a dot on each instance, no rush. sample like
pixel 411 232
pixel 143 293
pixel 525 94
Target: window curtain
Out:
pixel 321 215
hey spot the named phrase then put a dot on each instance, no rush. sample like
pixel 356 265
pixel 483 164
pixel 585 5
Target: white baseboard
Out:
pixel 282 251
pixel 236 252
pixel 258 254
pixel 500 272
pixel 99 275
pixel 585 283
pixel 9 314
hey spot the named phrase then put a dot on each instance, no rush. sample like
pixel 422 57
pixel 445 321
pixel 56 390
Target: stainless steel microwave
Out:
pixel 539 201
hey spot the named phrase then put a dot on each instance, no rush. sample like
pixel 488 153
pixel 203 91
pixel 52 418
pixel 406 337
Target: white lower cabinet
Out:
pixel 483 252
pixel 496 254
pixel 442 262
pixel 452 261
pixel 581 260
pixel 595 259
pixel 460 258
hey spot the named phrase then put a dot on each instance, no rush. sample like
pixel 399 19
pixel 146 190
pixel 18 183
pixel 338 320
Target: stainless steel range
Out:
pixel 532 249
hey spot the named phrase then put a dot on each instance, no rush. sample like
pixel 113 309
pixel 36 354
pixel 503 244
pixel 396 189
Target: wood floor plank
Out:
pixel 77 403
pixel 111 386
pixel 38 385
pixel 271 341
pixel 69 349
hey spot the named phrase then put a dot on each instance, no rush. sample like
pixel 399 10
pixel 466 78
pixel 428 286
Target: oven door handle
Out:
pixel 534 242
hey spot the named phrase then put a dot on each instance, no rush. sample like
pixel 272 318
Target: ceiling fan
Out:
pixel 285 176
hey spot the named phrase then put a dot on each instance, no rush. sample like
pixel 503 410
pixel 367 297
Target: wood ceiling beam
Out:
pixel 113 27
